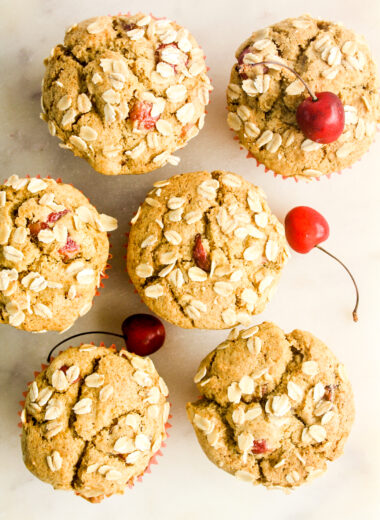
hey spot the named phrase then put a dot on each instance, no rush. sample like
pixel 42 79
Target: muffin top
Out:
pixel 262 103
pixel 274 408
pixel 93 419
pixel 53 250
pixel 124 92
pixel 205 250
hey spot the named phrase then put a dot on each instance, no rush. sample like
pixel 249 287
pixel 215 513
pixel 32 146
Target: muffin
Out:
pixel 205 250
pixel 53 251
pixel 125 92
pixel 275 407
pixel 262 102
pixel 93 419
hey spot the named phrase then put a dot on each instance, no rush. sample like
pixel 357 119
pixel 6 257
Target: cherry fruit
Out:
pixel 200 255
pixel 305 229
pixel 259 447
pixel 321 119
pixel 144 334
pixel 320 116
pixel 141 115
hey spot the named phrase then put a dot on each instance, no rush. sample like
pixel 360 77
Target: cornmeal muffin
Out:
pixel 205 250
pixel 125 92
pixel 53 251
pixel 262 102
pixel 93 419
pixel 275 407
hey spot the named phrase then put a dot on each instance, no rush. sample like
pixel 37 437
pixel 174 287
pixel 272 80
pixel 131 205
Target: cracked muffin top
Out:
pixel 275 407
pixel 205 251
pixel 93 419
pixel 53 251
pixel 125 92
pixel 262 102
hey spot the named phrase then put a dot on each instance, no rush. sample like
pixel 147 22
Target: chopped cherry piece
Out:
pixel 143 334
pixel 127 26
pixel 53 217
pixel 242 54
pixel 200 255
pixel 141 113
pixel 64 369
pixel 260 447
pixel 305 228
pixel 330 392
pixel 244 68
pixel 69 249
pixel 35 227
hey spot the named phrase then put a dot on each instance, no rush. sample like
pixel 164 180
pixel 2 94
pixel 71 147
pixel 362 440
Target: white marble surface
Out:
pixel 314 294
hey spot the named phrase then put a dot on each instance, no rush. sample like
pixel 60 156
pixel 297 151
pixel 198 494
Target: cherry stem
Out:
pixel 270 62
pixel 355 311
pixel 82 334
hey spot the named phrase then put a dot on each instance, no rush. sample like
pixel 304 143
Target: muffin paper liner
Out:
pixel 153 460
pixel 305 178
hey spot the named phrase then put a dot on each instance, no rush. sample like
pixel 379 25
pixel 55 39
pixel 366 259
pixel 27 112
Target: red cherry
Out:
pixel 321 119
pixel 144 334
pixel 260 446
pixel 54 217
pixel 141 114
pixel 69 249
pixel 305 228
pixel 200 255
